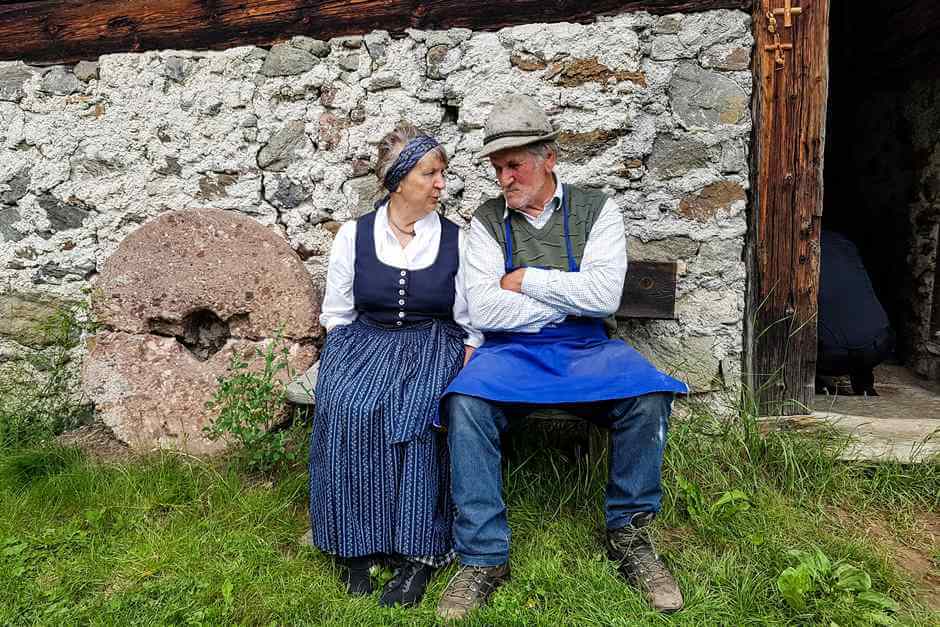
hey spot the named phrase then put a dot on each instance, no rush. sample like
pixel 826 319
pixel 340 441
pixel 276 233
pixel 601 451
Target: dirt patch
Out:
pixel 97 441
pixel 912 554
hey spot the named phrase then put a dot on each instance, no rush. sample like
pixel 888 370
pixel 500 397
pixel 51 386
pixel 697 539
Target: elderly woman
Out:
pixel 397 332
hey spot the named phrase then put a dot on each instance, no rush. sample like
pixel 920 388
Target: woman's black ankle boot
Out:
pixel 408 585
pixel 355 574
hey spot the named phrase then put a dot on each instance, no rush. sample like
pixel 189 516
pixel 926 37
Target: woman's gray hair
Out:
pixel 543 149
pixel 392 144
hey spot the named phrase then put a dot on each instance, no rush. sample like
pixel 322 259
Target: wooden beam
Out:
pixel 66 31
pixel 791 89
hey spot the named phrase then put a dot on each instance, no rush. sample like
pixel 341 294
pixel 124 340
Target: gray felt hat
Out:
pixel 515 121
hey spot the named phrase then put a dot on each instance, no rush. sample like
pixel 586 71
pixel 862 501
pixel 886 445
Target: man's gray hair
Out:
pixel 543 149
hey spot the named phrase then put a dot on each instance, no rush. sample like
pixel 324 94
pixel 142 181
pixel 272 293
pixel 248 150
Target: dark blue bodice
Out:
pixel 397 297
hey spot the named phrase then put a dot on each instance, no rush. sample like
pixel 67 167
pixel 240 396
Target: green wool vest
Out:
pixel 545 247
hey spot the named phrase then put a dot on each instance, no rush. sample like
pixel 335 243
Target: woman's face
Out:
pixel 421 189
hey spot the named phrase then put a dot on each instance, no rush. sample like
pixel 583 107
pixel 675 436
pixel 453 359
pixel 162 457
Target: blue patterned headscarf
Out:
pixel 409 156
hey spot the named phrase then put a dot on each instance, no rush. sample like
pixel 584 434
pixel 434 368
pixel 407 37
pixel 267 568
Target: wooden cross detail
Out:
pixel 778 49
pixel 787 12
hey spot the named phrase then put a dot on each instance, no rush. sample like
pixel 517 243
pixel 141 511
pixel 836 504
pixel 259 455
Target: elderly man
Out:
pixel 545 266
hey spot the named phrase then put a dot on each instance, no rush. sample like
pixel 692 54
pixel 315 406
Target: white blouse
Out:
pixel 338 306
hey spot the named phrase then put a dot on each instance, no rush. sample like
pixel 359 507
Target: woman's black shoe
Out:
pixel 355 574
pixel 407 587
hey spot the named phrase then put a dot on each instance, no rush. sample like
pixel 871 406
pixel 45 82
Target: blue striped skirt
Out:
pixel 379 472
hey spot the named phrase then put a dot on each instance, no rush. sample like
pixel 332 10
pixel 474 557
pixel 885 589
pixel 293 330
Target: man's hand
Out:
pixel 467 353
pixel 513 280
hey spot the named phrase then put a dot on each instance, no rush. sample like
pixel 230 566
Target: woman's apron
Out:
pixel 570 362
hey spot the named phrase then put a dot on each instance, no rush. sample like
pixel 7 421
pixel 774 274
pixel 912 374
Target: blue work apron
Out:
pixel 570 362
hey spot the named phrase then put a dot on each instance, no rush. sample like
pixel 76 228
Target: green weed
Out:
pixel 252 408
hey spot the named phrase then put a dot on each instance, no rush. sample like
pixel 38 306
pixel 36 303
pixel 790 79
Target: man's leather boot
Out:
pixel 632 549
pixel 469 589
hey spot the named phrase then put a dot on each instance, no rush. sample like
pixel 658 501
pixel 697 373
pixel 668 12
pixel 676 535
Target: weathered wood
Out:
pixel 65 31
pixel 649 291
pixel 783 255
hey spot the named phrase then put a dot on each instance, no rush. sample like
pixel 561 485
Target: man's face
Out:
pixel 526 179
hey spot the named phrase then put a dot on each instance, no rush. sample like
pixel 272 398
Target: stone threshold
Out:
pixel 869 438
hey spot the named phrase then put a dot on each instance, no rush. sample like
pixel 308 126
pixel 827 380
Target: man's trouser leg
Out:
pixel 638 437
pixel 481 532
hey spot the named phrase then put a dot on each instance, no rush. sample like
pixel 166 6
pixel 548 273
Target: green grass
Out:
pixel 174 540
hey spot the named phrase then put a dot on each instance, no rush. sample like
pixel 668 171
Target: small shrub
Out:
pixel 817 586
pixel 252 409
pixel 39 395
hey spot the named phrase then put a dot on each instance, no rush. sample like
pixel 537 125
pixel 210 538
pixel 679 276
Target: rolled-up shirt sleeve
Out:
pixel 339 307
pixel 491 307
pixel 595 289
pixel 461 310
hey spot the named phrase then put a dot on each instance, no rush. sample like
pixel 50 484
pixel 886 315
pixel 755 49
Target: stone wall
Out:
pixel 654 110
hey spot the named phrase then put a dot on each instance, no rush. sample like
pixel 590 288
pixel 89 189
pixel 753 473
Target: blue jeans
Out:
pixel 481 533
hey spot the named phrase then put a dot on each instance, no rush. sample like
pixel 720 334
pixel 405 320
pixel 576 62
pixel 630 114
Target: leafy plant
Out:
pixel 252 406
pixel 39 394
pixel 815 581
pixel 705 514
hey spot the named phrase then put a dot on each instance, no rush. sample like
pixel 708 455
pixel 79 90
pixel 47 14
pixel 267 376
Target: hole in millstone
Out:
pixel 202 332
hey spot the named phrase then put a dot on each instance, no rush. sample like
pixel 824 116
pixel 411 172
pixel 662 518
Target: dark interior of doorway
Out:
pixel 882 162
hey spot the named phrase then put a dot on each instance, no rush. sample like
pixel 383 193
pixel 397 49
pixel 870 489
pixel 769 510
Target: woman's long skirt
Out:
pixel 379 474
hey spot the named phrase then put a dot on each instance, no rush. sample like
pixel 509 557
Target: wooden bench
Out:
pixel 649 292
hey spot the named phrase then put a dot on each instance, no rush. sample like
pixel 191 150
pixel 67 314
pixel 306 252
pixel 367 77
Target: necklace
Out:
pixel 399 229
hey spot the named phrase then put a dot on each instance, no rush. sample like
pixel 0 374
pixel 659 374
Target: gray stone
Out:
pixel 8 232
pixel 350 62
pixel 12 82
pixel 177 68
pixel 289 194
pixel 18 186
pixel 672 157
pixel 352 42
pixel 669 249
pixel 666 48
pixel 435 59
pixel 705 99
pixel 23 315
pixel 667 25
pixel 53 270
pixel 279 151
pixel 86 71
pixel 319 216
pixel 361 192
pixel 249 121
pixel 727 57
pixel 316 47
pixel 376 45
pixel 384 80
pixel 58 81
pixel 287 60
pixel 733 157
pixel 172 167
pixel 63 215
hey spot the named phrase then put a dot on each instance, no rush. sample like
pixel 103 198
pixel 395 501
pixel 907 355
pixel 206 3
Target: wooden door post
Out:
pixel 791 75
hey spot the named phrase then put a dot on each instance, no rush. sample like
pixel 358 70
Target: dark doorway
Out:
pixel 882 163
